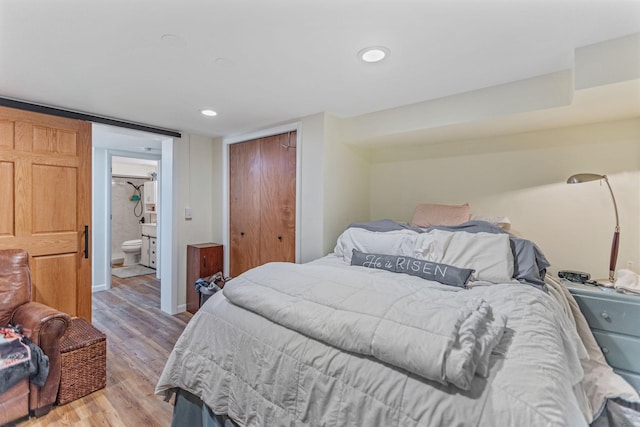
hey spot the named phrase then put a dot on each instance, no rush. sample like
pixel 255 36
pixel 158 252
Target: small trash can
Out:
pixel 207 286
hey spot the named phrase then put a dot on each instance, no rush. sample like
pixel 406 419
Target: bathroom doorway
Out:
pixel 123 160
pixel 109 141
pixel 134 216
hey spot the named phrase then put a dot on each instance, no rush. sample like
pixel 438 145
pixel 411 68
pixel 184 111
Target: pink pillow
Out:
pixel 430 214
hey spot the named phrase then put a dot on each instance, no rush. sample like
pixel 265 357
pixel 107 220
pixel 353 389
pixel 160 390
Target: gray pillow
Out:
pixel 443 273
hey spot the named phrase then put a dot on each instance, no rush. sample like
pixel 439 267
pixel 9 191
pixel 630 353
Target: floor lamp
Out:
pixel 586 177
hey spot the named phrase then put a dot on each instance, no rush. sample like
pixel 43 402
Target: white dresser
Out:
pixel 614 319
pixel 148 255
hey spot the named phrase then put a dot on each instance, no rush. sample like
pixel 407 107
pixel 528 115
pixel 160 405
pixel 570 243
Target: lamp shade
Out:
pixel 584 177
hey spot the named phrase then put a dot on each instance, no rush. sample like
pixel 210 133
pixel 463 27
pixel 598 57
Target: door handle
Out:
pixel 86 242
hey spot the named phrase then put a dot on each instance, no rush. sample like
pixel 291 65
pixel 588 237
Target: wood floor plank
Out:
pixel 139 339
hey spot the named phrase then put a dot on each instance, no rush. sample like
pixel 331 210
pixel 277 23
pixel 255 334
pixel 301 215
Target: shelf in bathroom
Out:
pixel 149 229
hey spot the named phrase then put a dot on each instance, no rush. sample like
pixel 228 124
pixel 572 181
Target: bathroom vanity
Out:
pixel 148 257
pixel 149 247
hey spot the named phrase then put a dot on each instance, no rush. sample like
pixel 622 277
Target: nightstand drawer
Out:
pixel 622 317
pixel 621 351
pixel 632 379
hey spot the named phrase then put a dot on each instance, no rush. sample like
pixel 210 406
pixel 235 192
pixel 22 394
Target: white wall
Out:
pixel 523 177
pixel 334 185
pixel 346 184
pixel 312 135
pixel 196 181
pixel 217 195
pixel 101 180
pixel 123 168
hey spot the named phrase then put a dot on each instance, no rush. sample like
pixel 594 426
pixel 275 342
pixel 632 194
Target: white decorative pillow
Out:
pixel 488 254
pixel 397 242
pixel 431 246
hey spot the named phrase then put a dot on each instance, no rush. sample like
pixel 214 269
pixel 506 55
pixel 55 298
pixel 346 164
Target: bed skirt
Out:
pixel 190 411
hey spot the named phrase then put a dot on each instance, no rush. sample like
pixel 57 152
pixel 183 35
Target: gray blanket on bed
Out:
pixel 261 373
pixel 437 335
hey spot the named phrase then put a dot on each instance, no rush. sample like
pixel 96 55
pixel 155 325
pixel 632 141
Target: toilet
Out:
pixel 132 249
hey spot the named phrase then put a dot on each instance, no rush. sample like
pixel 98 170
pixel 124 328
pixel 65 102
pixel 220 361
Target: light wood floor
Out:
pixel 139 339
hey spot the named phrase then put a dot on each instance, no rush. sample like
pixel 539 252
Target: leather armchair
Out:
pixel 43 325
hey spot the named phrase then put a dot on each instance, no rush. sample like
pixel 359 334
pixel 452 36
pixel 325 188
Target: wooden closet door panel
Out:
pixel 278 202
pixel 244 206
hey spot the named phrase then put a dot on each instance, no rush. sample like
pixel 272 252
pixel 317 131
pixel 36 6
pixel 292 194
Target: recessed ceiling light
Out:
pixel 171 40
pixel 169 37
pixel 209 113
pixel 373 54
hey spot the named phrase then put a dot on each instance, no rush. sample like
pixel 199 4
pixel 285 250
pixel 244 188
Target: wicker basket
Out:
pixel 83 351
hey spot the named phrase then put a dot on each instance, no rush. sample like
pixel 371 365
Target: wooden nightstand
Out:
pixel 614 319
pixel 203 260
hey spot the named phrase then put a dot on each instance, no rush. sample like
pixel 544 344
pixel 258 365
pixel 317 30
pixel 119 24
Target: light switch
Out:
pixel 187 213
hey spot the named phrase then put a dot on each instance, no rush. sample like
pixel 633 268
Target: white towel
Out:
pixel 628 281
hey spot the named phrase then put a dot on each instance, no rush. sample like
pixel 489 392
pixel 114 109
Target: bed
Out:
pixel 399 326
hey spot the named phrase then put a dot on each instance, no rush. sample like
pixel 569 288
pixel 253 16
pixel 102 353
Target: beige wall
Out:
pixel 346 184
pixel 198 185
pixel 311 226
pixel 523 177
pixel 217 180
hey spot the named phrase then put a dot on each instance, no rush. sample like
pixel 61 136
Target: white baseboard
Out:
pixel 98 288
pixel 181 308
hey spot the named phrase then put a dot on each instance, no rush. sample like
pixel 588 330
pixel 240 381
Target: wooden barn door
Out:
pixel 262 205
pixel 45 208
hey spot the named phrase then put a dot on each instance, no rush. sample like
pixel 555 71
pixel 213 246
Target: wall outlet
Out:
pixel 187 213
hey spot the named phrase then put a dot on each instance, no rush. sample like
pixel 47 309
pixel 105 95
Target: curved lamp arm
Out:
pixel 586 177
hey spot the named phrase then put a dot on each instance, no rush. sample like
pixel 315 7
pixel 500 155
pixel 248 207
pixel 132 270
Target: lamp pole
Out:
pixel 616 237
pixel 613 259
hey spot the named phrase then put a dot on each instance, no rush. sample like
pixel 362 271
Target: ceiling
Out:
pixel 259 63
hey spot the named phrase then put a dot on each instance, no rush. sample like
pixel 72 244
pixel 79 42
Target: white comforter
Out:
pixel 261 373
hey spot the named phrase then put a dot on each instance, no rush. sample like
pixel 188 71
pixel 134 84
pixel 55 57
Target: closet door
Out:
pixel 278 198
pixel 262 203
pixel 244 206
